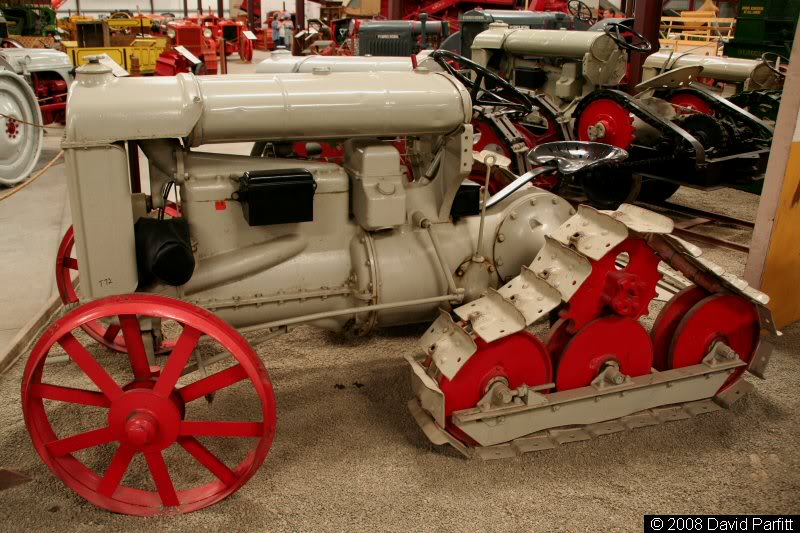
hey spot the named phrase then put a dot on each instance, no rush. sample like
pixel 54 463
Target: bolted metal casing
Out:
pixel 574 62
pixel 381 249
pixel 748 74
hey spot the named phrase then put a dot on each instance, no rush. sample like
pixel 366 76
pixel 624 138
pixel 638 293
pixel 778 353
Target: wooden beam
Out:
pixel 647 21
pixel 774 261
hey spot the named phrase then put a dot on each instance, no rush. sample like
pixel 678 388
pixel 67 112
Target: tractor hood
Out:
pixel 237 108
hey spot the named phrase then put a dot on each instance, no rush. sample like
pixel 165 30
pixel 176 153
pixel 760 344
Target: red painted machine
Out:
pixel 232 31
pixel 195 39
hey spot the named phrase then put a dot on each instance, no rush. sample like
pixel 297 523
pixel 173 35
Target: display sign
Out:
pixel 188 55
pixel 250 35
pixel 116 68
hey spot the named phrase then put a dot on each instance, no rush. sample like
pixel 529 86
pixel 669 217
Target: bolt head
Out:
pixel 141 429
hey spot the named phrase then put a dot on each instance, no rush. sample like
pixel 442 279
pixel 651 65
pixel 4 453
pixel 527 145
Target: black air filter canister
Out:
pixel 164 250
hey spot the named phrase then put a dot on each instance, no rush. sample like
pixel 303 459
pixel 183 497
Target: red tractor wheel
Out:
pixel 245 49
pixel 519 359
pixel 66 265
pixel 110 335
pixel 90 421
pixel 727 318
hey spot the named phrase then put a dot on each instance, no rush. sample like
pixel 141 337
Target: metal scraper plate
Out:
pixel 562 268
pixel 591 232
pixel 492 316
pixel 448 344
pixel 532 295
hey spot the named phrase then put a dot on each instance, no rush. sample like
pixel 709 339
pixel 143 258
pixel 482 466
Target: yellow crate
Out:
pixel 147 50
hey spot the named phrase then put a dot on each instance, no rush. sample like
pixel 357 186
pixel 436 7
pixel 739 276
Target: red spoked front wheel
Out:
pixel 129 436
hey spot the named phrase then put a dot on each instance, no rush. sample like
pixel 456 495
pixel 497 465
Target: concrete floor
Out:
pixel 348 456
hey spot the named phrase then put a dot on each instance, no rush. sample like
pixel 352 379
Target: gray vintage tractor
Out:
pixel 265 243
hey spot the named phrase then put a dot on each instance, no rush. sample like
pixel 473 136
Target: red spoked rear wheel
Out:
pixel 93 422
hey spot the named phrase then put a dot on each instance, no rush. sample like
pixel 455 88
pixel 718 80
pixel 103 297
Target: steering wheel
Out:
pixel 120 15
pixel 580 11
pixel 639 44
pixel 503 95
pixel 775 65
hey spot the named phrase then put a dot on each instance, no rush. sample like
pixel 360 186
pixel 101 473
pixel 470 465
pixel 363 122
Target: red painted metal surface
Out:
pixel 610 115
pixel 146 409
pixel 611 289
pixel 720 317
pixel 668 319
pixel 692 102
pixel 520 358
pixel 245 50
pixel 51 91
pixel 109 336
pixel 489 138
pixel 609 339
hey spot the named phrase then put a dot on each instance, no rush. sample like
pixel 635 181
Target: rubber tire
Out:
pixel 657 191
pixel 599 196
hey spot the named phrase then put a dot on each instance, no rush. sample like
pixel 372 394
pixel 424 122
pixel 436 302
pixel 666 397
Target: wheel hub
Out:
pixel 141 428
pixel 617 341
pixel 607 121
pixel 144 420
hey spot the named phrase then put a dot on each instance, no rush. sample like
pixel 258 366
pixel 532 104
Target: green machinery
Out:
pixel 764 26
pixel 29 19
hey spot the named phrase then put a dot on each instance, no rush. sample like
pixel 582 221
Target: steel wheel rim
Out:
pixel 667 321
pixel 724 317
pixel 130 500
pixel 110 337
pixel 608 339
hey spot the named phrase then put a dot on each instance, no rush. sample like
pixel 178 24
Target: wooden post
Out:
pixel 221 8
pixel 136 71
pixel 774 261
pixel 647 21
pixel 300 14
pixel 395 9
pixel 251 25
pixel 223 59
pixel 185 8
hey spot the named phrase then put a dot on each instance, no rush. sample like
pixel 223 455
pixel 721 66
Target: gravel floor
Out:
pixel 348 456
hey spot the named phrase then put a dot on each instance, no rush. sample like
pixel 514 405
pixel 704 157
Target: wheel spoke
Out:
pixel 90 366
pixel 207 459
pixel 69 394
pixel 221 428
pixel 111 333
pixel 116 471
pixel 71 263
pixel 81 441
pixel 212 383
pixel 162 479
pixel 177 360
pixel 133 342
